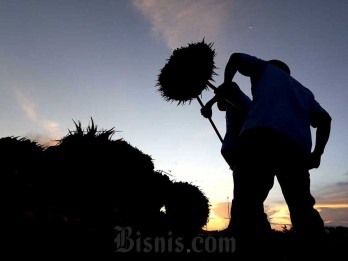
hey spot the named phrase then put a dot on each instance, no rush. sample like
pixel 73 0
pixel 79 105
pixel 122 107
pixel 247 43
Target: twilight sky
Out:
pixel 75 59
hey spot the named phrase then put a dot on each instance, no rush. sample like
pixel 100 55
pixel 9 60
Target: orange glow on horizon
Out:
pixel 318 206
pixel 278 216
pixel 215 221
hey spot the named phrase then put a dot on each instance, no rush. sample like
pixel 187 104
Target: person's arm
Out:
pixel 245 64
pixel 229 90
pixel 323 129
pixel 231 94
pixel 231 67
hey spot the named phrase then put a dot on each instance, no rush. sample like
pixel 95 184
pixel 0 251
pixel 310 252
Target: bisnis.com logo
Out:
pixel 127 241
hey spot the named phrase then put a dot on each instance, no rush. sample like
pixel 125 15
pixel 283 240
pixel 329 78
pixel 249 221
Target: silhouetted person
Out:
pixel 275 140
pixel 235 115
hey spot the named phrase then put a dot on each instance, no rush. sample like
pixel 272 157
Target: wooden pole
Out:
pixel 211 121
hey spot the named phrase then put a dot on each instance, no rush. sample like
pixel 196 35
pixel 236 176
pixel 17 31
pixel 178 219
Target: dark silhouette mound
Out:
pixel 68 198
pixel 20 165
pixel 187 208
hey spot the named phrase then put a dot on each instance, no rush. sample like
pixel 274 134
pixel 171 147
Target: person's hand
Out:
pixel 206 111
pixel 314 160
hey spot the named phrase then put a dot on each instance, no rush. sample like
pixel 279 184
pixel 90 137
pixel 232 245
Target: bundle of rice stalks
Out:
pixel 20 160
pixel 187 72
pixel 187 208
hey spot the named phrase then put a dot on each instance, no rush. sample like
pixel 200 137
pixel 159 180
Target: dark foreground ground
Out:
pixel 203 247
pixel 282 246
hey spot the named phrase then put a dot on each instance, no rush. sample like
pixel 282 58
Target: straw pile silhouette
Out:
pixel 187 72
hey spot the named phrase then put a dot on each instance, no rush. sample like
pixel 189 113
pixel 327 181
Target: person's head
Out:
pixel 280 65
pixel 231 90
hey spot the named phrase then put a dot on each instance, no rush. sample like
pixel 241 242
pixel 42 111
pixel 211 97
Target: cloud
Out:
pixel 333 204
pixel 50 135
pixel 27 106
pixel 335 216
pixel 51 130
pixel 336 194
pixel 278 215
pixel 181 22
pixel 43 139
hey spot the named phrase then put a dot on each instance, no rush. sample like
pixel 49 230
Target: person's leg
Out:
pixel 295 185
pixel 250 192
pixel 294 180
pixel 253 179
pixel 307 223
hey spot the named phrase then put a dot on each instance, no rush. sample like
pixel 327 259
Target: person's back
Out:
pixel 282 103
pixel 234 123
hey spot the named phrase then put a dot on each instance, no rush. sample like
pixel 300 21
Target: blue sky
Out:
pixel 72 60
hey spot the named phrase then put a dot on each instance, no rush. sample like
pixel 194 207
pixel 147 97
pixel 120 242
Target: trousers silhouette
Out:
pixel 263 155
